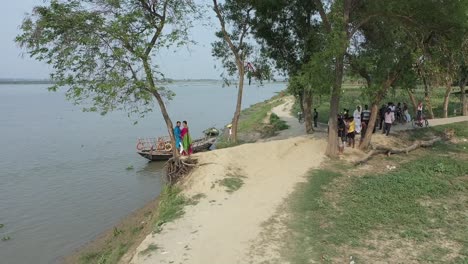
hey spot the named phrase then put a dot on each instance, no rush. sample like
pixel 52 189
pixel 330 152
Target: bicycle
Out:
pixel 422 122
pixel 300 117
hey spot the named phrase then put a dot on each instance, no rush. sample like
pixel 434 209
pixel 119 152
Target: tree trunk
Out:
pixel 370 127
pixel 413 101
pixel 375 107
pixel 162 106
pixel 332 146
pixel 168 121
pixel 463 98
pixel 307 106
pixel 427 98
pixel 235 119
pixel 448 90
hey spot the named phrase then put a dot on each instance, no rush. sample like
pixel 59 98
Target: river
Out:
pixel 63 172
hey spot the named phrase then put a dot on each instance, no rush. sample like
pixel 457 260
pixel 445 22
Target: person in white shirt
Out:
pixel 357 119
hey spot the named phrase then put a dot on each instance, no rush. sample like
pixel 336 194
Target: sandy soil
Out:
pixel 222 227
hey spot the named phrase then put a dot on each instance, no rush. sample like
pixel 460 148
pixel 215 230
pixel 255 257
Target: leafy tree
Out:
pixel 234 48
pixel 102 51
pixel 290 34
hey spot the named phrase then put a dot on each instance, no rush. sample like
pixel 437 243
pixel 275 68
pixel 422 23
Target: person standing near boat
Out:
pixel 177 133
pixel 186 139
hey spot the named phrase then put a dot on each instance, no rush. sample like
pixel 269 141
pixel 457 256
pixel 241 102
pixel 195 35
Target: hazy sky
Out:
pixel 194 62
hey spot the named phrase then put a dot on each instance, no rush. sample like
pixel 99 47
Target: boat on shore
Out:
pixel 160 149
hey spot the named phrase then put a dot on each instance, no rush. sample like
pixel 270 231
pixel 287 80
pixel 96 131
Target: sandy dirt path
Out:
pixel 223 227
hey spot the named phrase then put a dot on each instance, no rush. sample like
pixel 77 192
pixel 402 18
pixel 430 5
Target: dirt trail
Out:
pixel 222 227
pixel 432 122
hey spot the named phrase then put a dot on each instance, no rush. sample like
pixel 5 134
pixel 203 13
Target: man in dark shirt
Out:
pixel 365 117
pixel 382 111
pixel 315 117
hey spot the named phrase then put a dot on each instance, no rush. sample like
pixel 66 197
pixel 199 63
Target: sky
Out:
pixel 193 62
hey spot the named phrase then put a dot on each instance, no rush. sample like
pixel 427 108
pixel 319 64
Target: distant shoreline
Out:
pixel 32 81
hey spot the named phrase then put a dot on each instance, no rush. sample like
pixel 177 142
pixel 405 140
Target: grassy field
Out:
pixel 416 213
pixel 352 96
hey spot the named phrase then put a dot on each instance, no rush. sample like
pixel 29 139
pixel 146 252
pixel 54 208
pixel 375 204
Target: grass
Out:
pixel 171 206
pixel 252 121
pixel 149 249
pixel 252 118
pixel 232 184
pixel 414 208
pixel 277 123
pixel 233 180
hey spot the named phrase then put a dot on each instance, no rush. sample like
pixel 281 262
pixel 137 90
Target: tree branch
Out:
pixel 323 15
pixel 158 30
pixel 233 48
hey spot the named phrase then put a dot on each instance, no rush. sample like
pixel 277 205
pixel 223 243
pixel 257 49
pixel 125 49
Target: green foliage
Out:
pixel 234 46
pixel 101 51
pixel 277 123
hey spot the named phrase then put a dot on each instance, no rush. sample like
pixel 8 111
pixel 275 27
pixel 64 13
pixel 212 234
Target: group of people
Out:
pixel 357 123
pixel 350 125
pixel 183 139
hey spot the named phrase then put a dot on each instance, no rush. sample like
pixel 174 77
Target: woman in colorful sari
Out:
pixel 186 139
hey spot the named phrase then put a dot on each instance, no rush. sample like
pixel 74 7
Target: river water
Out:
pixel 63 173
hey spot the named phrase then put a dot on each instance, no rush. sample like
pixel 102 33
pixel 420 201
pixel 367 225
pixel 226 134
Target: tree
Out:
pixel 102 51
pixel 290 34
pixel 233 48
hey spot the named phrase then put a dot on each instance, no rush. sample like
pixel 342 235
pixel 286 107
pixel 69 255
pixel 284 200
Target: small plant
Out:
pixel 6 238
pixel 277 123
pixel 171 206
pixel 149 249
pixel 196 198
pixel 2 225
pixel 232 184
pixel 117 232
pixel 130 167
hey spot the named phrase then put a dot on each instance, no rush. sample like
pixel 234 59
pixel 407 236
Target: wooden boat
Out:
pixel 160 149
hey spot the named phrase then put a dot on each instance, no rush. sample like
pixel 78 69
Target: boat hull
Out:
pixel 198 145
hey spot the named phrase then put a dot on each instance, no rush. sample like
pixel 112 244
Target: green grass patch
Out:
pixel 171 206
pixel 107 255
pixel 419 202
pixel 232 184
pixel 252 118
pixel 149 249
pixel 277 123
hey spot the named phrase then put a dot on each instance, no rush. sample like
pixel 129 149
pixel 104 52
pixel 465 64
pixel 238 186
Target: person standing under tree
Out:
pixel 389 119
pixel 419 112
pixel 357 119
pixel 382 111
pixel 186 140
pixel 315 117
pixel 351 131
pixel 365 117
pixel 177 136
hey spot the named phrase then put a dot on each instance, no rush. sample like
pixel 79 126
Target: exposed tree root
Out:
pixel 177 168
pixel 388 151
